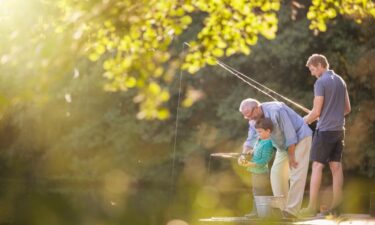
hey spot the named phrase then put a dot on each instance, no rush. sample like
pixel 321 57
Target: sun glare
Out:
pixel 351 221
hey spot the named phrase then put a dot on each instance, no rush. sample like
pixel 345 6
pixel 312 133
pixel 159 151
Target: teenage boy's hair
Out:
pixel 315 59
pixel 264 123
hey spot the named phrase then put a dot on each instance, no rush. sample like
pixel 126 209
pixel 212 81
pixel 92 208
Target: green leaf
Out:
pixel 154 88
pixel 163 114
pixel 218 52
pixel 130 82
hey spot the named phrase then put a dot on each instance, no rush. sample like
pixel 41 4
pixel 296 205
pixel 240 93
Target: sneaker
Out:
pixel 251 215
pixel 276 213
pixel 288 215
pixel 307 212
pixel 335 212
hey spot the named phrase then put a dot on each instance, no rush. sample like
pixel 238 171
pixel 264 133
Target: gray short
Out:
pixel 327 146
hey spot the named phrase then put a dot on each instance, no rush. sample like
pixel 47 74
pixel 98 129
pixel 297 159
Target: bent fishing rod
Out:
pixel 233 155
pixel 256 85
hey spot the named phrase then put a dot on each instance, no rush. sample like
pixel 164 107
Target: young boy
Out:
pixel 258 164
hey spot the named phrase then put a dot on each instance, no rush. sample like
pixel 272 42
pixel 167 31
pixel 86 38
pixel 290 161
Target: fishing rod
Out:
pixel 244 80
pixel 253 83
pixel 243 77
pixel 233 155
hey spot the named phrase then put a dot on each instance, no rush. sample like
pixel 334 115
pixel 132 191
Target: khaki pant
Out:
pixel 281 174
pixel 261 184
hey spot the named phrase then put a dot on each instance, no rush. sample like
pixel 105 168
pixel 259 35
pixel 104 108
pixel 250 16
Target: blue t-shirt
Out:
pixel 333 88
pixel 262 154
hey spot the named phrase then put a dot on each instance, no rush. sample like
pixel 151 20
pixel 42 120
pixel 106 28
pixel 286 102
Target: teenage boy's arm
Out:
pixel 348 108
pixel 315 112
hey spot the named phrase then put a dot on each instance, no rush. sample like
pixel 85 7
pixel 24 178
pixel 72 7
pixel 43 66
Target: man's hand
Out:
pixel 292 157
pixel 292 162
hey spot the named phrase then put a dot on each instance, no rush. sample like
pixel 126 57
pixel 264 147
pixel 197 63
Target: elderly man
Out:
pixel 292 139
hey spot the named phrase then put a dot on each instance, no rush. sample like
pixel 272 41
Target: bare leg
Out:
pixel 316 179
pixel 337 183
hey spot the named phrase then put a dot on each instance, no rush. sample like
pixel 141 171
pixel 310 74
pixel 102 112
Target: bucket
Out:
pixel 266 205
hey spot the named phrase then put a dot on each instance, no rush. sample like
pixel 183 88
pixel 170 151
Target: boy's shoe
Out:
pixel 251 215
pixel 307 212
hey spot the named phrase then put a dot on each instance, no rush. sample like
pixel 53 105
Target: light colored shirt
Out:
pixel 262 154
pixel 333 88
pixel 289 127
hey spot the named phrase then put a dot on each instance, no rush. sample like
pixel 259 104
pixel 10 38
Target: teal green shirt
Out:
pixel 262 154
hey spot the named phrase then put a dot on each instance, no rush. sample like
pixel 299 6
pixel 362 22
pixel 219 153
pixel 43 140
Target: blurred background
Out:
pixel 77 145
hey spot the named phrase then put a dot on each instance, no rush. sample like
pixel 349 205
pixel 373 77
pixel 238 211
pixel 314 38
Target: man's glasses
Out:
pixel 248 114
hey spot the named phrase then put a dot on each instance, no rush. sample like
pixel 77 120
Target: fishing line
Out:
pixel 176 124
pixel 247 79
pixel 238 74
pixel 247 82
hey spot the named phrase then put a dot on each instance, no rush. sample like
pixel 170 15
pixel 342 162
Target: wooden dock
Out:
pixel 344 219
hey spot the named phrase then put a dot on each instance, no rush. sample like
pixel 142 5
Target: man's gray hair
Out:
pixel 248 104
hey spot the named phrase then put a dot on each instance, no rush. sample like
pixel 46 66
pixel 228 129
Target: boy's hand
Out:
pixel 247 150
pixel 241 160
pixel 249 164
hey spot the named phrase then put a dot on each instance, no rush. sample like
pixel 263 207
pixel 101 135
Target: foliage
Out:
pixel 321 11
pixel 134 39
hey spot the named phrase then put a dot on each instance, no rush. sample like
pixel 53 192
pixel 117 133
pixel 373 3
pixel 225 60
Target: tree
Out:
pixel 134 39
